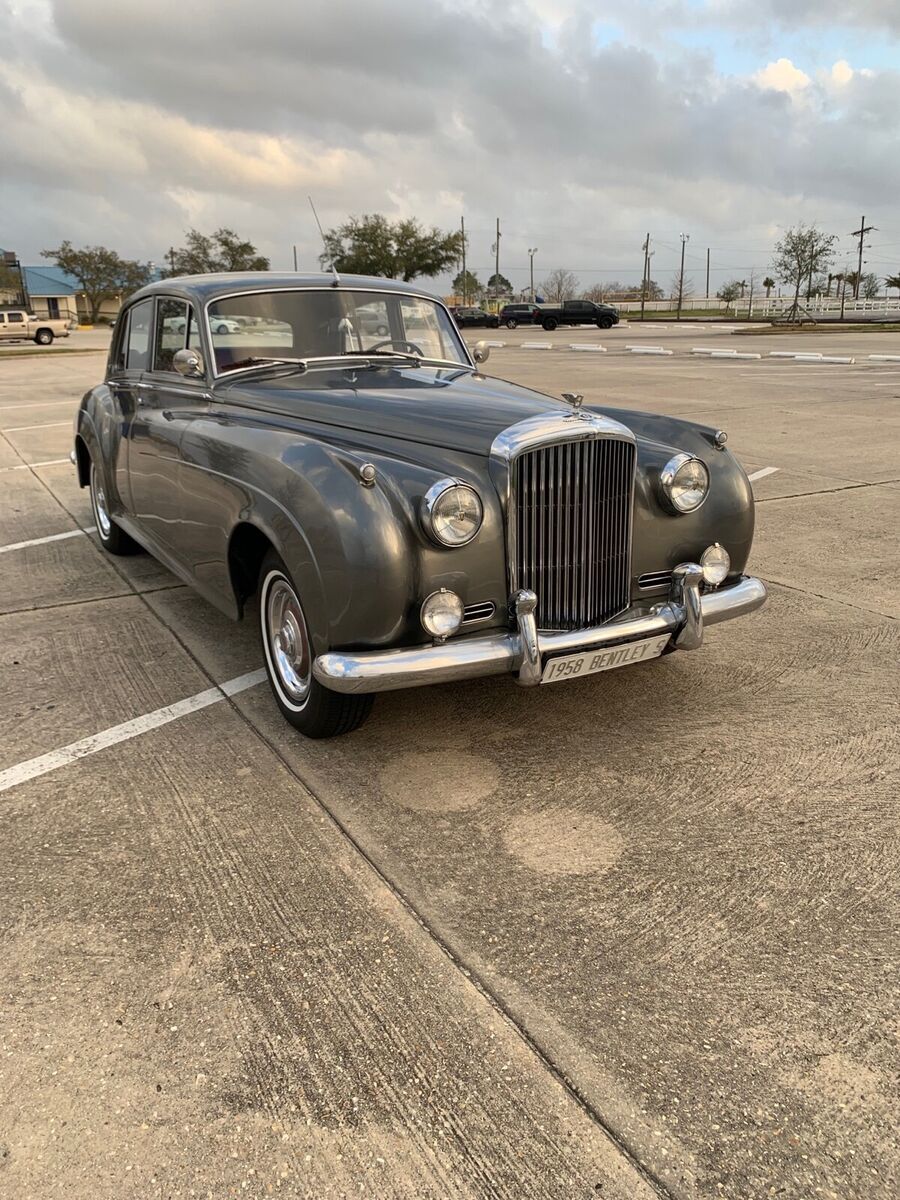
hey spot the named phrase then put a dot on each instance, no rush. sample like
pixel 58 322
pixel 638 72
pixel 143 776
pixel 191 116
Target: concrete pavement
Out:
pixel 625 937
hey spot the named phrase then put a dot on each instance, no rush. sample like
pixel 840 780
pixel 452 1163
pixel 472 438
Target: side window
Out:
pixel 15 318
pixel 2 318
pixel 175 329
pixel 140 320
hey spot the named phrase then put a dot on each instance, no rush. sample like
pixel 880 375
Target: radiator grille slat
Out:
pixel 572 524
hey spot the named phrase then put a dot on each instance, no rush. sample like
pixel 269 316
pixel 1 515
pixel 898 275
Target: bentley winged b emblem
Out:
pixel 574 398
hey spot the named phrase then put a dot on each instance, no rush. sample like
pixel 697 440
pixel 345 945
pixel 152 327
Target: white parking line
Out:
pixel 763 472
pixel 48 462
pixel 33 767
pixel 49 425
pixel 53 537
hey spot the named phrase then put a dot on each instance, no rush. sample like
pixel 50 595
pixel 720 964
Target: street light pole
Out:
pixel 531 254
pixel 685 237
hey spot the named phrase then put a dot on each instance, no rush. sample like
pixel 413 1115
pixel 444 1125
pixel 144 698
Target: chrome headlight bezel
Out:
pixel 668 477
pixel 431 508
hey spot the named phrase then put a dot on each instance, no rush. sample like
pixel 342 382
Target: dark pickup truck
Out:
pixel 578 312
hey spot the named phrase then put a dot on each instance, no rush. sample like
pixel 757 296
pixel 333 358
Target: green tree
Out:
pixel 869 286
pixel 729 292
pixel 768 284
pixel 220 251
pixel 800 254
pixel 893 281
pixel 499 285
pixel 102 274
pixel 373 245
pixel 469 286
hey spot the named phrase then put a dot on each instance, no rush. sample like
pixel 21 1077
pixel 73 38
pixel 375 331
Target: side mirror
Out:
pixel 188 363
pixel 481 352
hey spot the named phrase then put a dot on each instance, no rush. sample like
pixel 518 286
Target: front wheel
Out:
pixel 604 323
pixel 311 708
pixel 44 337
pixel 113 539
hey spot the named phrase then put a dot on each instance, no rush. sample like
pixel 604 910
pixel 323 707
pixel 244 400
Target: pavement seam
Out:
pixel 169 587
pixel 792 587
pixel 850 487
pixel 494 1001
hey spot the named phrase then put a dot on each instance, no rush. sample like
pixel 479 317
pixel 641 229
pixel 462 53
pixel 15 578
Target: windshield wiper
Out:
pixel 255 363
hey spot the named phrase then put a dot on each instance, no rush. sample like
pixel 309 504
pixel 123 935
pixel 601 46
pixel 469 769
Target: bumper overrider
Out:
pixel 524 650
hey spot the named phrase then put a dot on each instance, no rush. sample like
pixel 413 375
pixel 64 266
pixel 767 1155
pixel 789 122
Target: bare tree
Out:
pixel 799 255
pixel 560 285
pixel 681 287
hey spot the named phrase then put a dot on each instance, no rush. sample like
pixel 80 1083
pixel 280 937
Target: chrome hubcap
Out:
pixel 101 512
pixel 288 640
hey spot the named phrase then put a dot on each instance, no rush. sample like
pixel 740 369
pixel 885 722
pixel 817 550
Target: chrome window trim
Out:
pixel 216 374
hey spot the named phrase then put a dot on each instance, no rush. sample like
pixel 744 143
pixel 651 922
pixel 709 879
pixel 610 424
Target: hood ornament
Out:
pixel 574 398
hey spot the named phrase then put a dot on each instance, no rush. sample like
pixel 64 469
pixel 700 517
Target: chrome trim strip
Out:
pixel 505 653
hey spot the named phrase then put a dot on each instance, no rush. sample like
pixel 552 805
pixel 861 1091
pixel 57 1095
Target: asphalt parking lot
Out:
pixel 627 937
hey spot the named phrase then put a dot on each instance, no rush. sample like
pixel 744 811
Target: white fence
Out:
pixel 762 307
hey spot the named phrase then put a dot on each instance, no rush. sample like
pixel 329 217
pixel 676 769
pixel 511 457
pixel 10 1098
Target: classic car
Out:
pixel 391 515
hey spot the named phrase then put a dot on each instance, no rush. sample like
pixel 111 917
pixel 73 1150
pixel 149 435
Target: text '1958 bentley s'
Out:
pixel 329 447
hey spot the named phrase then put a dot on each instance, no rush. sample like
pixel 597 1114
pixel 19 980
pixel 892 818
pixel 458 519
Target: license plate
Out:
pixel 589 662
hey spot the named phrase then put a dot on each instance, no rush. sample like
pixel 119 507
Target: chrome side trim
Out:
pixel 513 652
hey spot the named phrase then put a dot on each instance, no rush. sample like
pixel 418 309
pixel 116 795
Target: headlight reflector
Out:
pixel 442 613
pixel 716 563
pixel 452 512
pixel 685 483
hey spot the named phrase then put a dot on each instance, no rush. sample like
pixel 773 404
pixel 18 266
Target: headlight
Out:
pixel 452 512
pixel 442 613
pixel 685 483
pixel 716 563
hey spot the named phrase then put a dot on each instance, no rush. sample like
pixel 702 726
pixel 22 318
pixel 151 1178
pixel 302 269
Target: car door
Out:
pixel 166 401
pixel 4 328
pixel 129 355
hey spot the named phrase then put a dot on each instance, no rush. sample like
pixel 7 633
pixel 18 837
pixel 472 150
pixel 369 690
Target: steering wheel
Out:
pixel 410 346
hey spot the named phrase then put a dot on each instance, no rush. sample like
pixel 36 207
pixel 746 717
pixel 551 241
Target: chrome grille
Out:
pixel 572 530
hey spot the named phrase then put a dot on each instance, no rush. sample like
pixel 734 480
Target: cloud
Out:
pixel 118 128
pixel 782 76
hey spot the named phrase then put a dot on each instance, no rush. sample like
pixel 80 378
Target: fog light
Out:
pixel 716 563
pixel 442 613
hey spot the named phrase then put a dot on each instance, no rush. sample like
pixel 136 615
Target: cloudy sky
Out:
pixel 124 123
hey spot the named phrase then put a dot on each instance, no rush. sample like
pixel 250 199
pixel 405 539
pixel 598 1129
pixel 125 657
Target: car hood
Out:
pixel 449 408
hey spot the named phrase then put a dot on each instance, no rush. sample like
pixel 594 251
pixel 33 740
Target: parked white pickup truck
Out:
pixel 17 325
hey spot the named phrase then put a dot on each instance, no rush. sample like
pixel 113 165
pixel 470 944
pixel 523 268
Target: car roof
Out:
pixel 203 288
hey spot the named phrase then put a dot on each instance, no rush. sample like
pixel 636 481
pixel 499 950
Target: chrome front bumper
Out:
pixel 522 651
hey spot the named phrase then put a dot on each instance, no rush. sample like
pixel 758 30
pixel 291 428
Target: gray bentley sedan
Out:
pixel 328 453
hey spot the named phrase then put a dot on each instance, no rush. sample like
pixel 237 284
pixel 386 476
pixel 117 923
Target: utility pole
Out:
pixel 531 254
pixel 172 258
pixel 860 233
pixel 497 263
pixel 707 273
pixel 295 258
pixel 685 238
pixel 465 290
pixel 645 275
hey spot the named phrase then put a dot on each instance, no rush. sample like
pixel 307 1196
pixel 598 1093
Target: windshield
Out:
pixel 308 323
